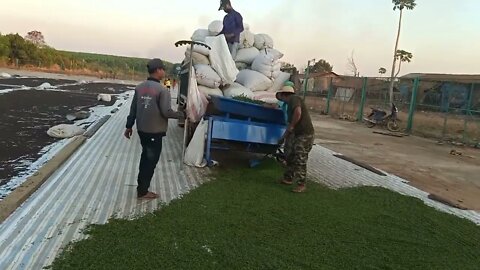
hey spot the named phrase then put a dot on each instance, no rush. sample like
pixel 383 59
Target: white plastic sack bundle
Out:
pixel 265 96
pixel 200 35
pixel 253 80
pixel 272 54
pixel 197 58
pixel 207 91
pixel 5 75
pixel 236 90
pixel 65 131
pixel 279 81
pixel 206 76
pixel 263 41
pixel 215 28
pixel 247 55
pixel 196 147
pixel 104 97
pixel 247 39
pixel 201 50
pixel 267 62
pixel 196 101
pixel 221 59
pixel 45 86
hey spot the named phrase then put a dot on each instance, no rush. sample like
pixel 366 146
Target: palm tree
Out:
pixel 398 5
pixel 402 56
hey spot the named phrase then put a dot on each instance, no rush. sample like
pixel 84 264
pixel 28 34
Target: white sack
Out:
pixel 236 90
pixel 200 35
pixel 196 101
pixel 267 63
pixel 207 91
pixel 215 28
pixel 45 86
pixel 221 59
pixel 104 97
pixel 253 80
pixel 196 147
pixel 197 58
pixel 201 50
pixel 247 39
pixel 263 41
pixel 206 76
pixel 65 131
pixel 5 75
pixel 272 53
pixel 279 81
pixel 265 96
pixel 247 55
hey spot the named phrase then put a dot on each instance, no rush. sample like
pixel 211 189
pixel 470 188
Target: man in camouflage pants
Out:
pixel 298 139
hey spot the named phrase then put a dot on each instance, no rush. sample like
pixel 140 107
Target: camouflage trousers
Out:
pixel 297 149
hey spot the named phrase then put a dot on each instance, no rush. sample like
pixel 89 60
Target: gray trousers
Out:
pixel 233 47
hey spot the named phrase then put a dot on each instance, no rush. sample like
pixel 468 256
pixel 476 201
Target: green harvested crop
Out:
pixel 244 98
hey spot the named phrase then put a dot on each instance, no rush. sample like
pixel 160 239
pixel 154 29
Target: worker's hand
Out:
pixel 229 35
pixel 128 133
pixel 182 115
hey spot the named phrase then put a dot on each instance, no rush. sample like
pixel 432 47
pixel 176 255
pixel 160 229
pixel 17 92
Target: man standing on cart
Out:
pixel 232 26
pixel 298 138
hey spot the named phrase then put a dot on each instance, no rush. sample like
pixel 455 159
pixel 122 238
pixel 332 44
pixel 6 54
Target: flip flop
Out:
pixel 300 189
pixel 149 196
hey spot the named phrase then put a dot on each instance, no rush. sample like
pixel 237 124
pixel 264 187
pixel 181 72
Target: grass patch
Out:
pixel 245 220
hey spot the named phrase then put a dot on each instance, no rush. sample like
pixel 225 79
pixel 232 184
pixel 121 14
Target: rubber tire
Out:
pixel 369 124
pixel 393 126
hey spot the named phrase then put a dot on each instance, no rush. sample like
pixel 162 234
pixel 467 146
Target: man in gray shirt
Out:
pixel 151 108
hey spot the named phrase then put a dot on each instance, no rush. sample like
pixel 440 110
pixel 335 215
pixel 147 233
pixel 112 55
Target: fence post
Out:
pixel 362 101
pixel 413 104
pixel 468 113
pixel 329 96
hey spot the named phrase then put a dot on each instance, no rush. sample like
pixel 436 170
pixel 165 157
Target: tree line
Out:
pixel 32 51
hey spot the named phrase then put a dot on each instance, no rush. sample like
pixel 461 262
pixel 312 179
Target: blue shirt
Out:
pixel 284 107
pixel 233 24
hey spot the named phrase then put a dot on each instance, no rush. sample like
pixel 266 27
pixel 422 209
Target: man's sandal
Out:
pixel 300 189
pixel 287 182
pixel 149 196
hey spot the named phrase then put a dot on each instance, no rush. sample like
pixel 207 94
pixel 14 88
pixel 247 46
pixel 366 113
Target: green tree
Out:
pixel 4 46
pixel 321 66
pixel 382 71
pixel 400 5
pixel 402 57
pixel 36 37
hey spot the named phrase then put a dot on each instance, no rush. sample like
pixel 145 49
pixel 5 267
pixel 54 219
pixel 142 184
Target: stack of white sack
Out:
pixel 254 73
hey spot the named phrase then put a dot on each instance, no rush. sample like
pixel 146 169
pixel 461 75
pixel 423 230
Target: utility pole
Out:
pixel 305 77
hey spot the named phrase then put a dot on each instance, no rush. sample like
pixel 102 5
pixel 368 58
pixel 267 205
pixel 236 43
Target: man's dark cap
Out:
pixel 223 3
pixel 155 64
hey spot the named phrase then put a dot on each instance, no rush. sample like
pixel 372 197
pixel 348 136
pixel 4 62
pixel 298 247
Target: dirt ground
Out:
pixel 427 165
pixel 26 115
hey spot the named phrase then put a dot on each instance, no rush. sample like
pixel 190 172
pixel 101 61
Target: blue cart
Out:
pixel 249 127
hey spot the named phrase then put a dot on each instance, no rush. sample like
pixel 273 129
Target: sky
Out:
pixel 443 35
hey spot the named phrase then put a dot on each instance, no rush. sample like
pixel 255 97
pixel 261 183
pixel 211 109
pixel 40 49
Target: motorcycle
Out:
pixel 380 118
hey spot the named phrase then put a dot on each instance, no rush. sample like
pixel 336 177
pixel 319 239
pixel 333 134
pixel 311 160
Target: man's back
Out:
pixel 148 106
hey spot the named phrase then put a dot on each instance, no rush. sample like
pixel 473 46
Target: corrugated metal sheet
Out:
pixel 99 182
pixel 96 183
pixel 337 173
